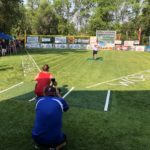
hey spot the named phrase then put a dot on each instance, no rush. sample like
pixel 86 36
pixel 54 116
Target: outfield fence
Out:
pixel 80 42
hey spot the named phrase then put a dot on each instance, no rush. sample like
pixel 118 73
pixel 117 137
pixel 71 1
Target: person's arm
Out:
pixel 51 76
pixel 65 105
pixel 36 77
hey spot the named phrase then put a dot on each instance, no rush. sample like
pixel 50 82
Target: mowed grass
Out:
pixel 124 127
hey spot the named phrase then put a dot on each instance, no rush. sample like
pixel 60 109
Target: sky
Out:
pixel 25 1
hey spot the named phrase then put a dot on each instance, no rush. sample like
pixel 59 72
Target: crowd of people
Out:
pixel 47 129
pixel 8 47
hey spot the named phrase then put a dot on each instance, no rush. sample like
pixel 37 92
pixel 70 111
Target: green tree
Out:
pixel 46 19
pixel 9 14
pixel 143 21
pixel 33 4
pixel 63 9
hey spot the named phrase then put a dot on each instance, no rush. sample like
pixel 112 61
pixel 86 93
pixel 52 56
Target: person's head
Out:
pixel 45 67
pixel 53 82
pixel 96 45
pixel 50 91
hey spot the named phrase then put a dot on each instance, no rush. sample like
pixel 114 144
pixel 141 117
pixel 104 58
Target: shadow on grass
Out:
pixel 125 126
pixel 6 68
pixel 93 100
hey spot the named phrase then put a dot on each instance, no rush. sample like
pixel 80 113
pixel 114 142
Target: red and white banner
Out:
pixel 128 43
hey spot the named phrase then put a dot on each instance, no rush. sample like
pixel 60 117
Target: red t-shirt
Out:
pixel 43 80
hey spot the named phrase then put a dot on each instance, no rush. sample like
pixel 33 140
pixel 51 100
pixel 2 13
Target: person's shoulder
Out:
pixel 44 99
pixel 58 98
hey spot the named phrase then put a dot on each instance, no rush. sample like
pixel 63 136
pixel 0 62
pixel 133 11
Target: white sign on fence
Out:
pixel 46 39
pixel 60 40
pixel 33 39
pixel 140 48
pixel 128 43
pixel 61 46
pixel 43 45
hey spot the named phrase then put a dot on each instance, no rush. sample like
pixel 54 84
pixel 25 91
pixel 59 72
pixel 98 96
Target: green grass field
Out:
pixel 126 124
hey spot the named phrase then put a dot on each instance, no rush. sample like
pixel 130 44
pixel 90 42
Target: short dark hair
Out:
pixel 50 91
pixel 45 67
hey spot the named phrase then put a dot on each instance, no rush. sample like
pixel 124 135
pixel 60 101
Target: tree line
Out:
pixel 76 17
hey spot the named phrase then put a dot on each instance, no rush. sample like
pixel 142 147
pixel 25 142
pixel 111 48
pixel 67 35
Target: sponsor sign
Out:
pixel 84 46
pixel 61 46
pixel 118 42
pixel 32 39
pixel 78 46
pixel 33 45
pixel 106 38
pixel 147 48
pixel 124 48
pixel 74 46
pixel 128 43
pixel 136 42
pixel 46 39
pixel 83 41
pixel 93 40
pixel 118 47
pixel 43 45
pixel 60 40
pixel 71 39
pixel 140 48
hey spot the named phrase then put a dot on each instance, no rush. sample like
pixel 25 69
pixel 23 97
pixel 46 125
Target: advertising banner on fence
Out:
pixel 33 45
pixel 46 40
pixel 93 40
pixel 44 45
pixel 136 42
pixel 61 46
pixel 83 41
pixel 78 46
pixel 71 39
pixel 140 48
pixel 128 43
pixel 33 39
pixel 60 40
pixel 105 38
pixel 118 42
pixel 147 48
pixel 74 46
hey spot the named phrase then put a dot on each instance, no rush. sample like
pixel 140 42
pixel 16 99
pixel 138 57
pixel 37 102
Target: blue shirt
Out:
pixel 48 120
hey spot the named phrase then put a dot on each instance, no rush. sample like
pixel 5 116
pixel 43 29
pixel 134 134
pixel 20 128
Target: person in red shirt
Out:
pixel 43 80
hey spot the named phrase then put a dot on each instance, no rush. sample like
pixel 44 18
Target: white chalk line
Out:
pixel 33 61
pixel 94 85
pixel 11 87
pixel 34 98
pixel 68 93
pixel 107 101
pixel 24 74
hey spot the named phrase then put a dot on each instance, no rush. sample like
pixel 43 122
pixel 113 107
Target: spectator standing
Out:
pixel 3 48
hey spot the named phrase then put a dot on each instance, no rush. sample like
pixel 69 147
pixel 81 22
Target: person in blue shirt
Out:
pixel 47 130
